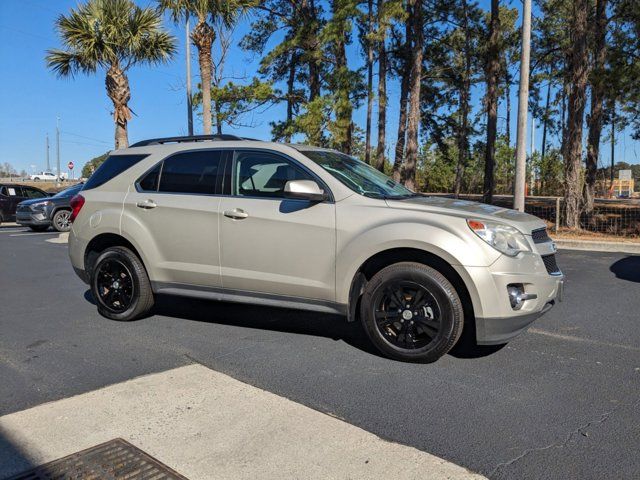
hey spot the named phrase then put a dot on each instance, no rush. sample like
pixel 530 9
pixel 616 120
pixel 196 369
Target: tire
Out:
pixel 60 220
pixel 422 330
pixel 39 228
pixel 131 298
pixel 37 179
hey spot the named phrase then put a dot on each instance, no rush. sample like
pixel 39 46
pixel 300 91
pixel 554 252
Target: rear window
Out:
pixel 113 166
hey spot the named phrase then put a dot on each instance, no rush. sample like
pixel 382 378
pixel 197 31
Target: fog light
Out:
pixel 517 297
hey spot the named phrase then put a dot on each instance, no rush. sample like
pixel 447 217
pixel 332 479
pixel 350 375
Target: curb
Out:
pixel 596 246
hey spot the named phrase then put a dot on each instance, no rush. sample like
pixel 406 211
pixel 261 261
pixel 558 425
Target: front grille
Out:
pixel 550 264
pixel 540 235
pixel 23 208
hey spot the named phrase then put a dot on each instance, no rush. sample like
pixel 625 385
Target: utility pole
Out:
pixel 189 102
pixel 523 98
pixel 48 165
pixel 58 150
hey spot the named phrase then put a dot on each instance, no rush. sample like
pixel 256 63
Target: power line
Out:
pixel 84 136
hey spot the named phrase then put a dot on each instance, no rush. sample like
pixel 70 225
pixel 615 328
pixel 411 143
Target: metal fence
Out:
pixel 619 218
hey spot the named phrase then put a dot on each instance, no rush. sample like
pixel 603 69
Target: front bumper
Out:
pixel 29 219
pixel 496 331
pixel 496 322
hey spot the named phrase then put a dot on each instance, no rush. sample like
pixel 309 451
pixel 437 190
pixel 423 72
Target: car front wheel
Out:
pixel 120 285
pixel 411 312
pixel 62 220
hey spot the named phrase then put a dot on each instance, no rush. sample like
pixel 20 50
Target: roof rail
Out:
pixel 190 138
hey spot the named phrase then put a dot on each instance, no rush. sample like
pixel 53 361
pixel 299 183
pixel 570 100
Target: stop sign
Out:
pixel 70 165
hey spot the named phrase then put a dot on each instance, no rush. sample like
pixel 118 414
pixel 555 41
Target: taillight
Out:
pixel 76 205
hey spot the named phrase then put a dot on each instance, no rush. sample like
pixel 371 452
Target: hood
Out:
pixel 466 209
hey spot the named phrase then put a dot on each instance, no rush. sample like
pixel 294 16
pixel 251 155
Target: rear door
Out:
pixel 271 244
pixel 13 196
pixel 176 204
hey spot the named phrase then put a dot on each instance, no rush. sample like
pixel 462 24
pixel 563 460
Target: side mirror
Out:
pixel 304 190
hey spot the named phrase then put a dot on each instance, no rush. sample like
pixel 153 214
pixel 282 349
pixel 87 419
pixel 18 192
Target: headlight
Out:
pixel 503 238
pixel 39 205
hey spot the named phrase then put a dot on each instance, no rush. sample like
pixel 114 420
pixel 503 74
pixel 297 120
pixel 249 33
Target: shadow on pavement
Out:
pixel 290 321
pixel 627 268
pixel 12 459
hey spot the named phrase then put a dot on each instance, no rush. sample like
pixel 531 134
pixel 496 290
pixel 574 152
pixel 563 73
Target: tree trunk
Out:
pixel 491 72
pixel 577 99
pixel 382 97
pixel 203 37
pixel 402 118
pixel 118 90
pixel 507 89
pixel 343 106
pixel 545 121
pixel 369 42
pixel 413 120
pixel 310 42
pixel 290 100
pixel 465 92
pixel 597 98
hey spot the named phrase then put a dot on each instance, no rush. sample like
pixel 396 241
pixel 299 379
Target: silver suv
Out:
pixel 294 226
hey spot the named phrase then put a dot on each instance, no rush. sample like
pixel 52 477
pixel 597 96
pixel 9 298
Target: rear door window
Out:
pixel 113 166
pixel 195 172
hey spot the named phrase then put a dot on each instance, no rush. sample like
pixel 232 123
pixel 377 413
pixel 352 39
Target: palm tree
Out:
pixel 113 35
pixel 208 13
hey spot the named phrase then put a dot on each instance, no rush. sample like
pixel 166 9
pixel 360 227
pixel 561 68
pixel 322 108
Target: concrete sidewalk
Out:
pixel 598 245
pixel 207 425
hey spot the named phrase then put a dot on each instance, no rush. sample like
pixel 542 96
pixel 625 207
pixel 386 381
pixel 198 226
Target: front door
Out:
pixel 176 206
pixel 271 244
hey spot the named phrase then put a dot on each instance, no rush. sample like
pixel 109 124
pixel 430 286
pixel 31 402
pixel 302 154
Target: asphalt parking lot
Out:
pixel 561 401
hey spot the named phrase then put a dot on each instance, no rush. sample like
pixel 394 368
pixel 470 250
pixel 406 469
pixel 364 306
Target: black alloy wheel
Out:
pixel 114 285
pixel 120 285
pixel 411 312
pixel 407 315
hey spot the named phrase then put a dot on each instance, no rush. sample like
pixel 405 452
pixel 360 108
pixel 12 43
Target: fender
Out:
pixel 427 238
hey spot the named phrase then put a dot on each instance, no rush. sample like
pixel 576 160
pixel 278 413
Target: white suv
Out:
pixel 229 219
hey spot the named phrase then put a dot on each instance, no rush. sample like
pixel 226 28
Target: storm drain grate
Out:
pixel 114 460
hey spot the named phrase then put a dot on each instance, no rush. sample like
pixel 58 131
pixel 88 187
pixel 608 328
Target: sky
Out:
pixel 32 98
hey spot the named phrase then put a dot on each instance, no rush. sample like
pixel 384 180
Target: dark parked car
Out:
pixel 11 195
pixel 40 213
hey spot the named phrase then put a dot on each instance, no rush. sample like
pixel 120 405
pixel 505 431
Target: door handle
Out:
pixel 146 204
pixel 236 214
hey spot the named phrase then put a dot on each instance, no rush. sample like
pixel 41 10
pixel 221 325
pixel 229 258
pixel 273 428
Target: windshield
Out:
pixel 68 191
pixel 358 176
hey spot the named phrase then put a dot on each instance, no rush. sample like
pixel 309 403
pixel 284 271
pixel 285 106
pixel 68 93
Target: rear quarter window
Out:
pixel 113 166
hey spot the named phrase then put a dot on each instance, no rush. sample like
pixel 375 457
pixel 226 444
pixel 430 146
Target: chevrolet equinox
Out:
pixel 231 219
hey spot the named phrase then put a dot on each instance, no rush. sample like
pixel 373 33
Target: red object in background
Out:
pixel 76 203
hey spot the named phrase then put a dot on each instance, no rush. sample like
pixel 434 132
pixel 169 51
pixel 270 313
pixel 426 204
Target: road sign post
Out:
pixel 70 167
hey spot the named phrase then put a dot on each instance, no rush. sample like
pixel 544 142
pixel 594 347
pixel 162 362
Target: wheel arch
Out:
pixel 100 243
pixel 387 257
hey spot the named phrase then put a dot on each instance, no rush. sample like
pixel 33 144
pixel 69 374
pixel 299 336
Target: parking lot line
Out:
pixel 205 424
pixel 34 233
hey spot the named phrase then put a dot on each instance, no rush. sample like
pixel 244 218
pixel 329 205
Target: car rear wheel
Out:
pixel 411 312
pixel 62 220
pixel 39 228
pixel 120 285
